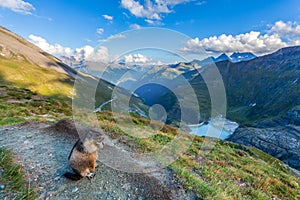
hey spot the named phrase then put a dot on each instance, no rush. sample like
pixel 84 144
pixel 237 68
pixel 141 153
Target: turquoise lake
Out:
pixel 218 128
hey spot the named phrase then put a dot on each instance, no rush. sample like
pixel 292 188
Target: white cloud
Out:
pixel 255 42
pixel 52 49
pixel 149 21
pixel 87 52
pixel 135 26
pixel 286 29
pixel 18 6
pixel 100 31
pixel 108 17
pixel 136 58
pixel 151 10
pixel 114 37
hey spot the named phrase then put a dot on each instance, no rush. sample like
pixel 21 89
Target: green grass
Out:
pixel 222 171
pixel 22 74
pixel 19 105
pixel 13 178
pixel 230 172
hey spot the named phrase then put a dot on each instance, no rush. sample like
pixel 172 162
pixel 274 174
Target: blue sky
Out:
pixel 61 27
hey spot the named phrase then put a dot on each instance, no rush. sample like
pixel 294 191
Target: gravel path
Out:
pixel 43 153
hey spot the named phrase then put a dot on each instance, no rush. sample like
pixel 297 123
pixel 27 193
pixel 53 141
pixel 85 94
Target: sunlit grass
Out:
pixel 214 169
pixel 20 105
pixel 20 73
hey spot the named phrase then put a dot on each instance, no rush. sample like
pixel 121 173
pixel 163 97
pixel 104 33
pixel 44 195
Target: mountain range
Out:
pixel 262 95
pixel 260 91
pixel 235 57
pixel 36 86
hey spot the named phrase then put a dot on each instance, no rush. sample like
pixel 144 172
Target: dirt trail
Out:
pixel 43 154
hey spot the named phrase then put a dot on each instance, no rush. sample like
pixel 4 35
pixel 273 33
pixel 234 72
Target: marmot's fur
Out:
pixel 84 154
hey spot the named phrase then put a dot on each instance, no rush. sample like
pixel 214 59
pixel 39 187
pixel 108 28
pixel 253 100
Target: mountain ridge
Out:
pixel 208 169
pixel 18 45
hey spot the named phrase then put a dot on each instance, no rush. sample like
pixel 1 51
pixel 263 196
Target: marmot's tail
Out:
pixel 72 176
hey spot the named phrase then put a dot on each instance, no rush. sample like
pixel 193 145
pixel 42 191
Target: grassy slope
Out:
pixel 228 171
pixel 20 73
pixel 19 105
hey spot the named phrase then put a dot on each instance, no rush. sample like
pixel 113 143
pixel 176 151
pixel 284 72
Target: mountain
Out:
pixel 238 57
pixel 207 169
pixel 257 89
pixel 262 93
pixel 222 57
pixel 25 65
pixel 235 57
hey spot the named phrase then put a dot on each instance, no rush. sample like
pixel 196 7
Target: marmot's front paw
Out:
pixel 90 175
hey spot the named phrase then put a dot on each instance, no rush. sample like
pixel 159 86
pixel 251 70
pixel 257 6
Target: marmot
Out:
pixel 84 154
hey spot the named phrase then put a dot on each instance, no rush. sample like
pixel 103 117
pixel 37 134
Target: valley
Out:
pixel 38 101
pixel 260 92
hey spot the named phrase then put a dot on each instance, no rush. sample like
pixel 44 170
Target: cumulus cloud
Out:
pixel 52 49
pixel 151 10
pixel 136 58
pixel 91 54
pixel 18 6
pixel 255 42
pixel 286 29
pixel 108 17
pixel 100 31
pixel 86 53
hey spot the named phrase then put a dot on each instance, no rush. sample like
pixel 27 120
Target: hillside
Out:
pixel 263 88
pixel 208 169
pixel 24 65
pixel 262 93
pixel 33 156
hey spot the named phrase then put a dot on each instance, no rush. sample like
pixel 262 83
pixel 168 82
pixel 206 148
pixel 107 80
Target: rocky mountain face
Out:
pixel 263 96
pixel 279 137
pixel 282 142
pixel 258 89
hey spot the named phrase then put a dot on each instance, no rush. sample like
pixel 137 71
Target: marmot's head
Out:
pixel 93 141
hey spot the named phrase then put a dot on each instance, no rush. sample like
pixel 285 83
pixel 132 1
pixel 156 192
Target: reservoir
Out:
pixel 218 128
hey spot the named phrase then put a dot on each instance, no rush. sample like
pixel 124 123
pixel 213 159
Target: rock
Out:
pixel 282 142
pixel 293 116
pixel 74 189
